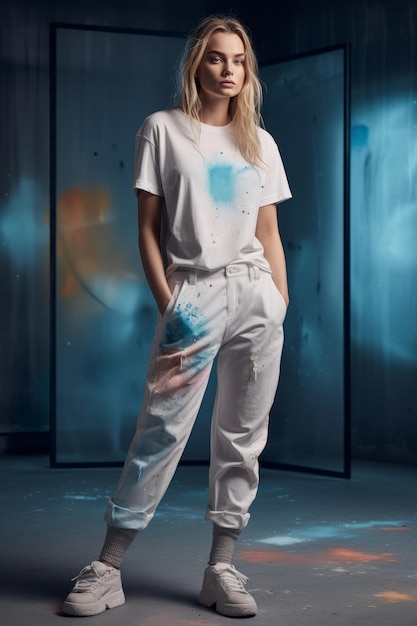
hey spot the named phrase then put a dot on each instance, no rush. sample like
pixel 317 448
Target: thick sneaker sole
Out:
pixel 236 610
pixel 229 610
pixel 86 610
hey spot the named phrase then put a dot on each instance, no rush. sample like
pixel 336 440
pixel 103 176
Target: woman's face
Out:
pixel 222 69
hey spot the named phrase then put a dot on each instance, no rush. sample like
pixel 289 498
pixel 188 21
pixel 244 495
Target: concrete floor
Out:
pixel 318 551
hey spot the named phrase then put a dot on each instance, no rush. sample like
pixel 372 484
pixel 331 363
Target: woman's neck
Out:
pixel 215 113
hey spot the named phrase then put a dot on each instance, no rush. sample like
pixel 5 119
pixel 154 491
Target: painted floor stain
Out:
pixel 334 531
pixel 266 556
pixel 395 528
pixel 170 618
pixel 356 556
pixel 332 555
pixel 395 596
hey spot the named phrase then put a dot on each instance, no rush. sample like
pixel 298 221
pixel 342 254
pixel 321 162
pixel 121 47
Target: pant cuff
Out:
pixel 120 517
pixel 224 519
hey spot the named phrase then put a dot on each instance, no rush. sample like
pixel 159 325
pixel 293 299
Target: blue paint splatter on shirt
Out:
pixel 222 183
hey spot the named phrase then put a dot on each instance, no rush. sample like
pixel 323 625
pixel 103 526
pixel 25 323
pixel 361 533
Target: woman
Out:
pixel 207 178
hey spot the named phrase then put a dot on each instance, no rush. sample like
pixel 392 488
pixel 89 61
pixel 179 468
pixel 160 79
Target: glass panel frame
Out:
pixel 310 419
pixel 102 312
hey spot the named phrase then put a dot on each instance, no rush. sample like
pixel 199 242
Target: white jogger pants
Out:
pixel 235 314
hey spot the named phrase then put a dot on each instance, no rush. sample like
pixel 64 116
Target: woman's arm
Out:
pixel 149 222
pixel 267 232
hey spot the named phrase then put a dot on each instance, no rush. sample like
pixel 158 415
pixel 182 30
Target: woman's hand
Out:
pixel 267 232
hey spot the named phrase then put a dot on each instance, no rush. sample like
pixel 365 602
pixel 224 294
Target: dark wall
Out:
pixel 383 193
pixel 383 224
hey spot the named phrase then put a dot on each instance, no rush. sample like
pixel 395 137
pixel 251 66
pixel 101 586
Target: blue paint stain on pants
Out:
pixel 178 332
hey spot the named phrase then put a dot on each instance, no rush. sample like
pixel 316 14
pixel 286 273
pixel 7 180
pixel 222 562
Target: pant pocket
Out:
pixel 279 298
pixel 180 330
pixel 177 293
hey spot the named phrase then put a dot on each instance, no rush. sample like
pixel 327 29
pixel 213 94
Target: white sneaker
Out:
pixel 97 588
pixel 223 586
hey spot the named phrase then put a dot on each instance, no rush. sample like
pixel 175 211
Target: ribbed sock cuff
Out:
pixel 223 546
pixel 116 544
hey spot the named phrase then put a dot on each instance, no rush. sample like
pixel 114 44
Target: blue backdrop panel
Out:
pixel 105 84
pixel 306 110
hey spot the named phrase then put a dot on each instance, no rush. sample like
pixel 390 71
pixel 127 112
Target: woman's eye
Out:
pixel 215 59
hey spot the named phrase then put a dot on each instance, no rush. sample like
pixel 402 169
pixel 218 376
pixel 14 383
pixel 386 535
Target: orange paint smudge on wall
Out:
pixel 84 235
pixel 80 208
pixel 394 528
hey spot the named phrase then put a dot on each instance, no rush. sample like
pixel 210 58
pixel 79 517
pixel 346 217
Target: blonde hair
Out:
pixel 245 108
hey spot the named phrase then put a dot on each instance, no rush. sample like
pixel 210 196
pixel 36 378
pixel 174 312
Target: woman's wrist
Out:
pixel 162 305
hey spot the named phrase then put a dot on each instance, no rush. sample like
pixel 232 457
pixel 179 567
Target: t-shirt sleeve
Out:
pixel 146 165
pixel 275 187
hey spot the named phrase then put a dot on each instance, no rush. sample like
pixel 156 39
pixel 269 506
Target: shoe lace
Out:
pixel 233 580
pixel 86 578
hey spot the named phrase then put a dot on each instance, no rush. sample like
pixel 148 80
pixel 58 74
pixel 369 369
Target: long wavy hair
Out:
pixel 245 108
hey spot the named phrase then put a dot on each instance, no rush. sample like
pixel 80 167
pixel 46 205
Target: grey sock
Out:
pixel 223 546
pixel 116 544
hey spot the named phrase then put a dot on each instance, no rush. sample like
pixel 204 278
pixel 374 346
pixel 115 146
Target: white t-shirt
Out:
pixel 211 194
